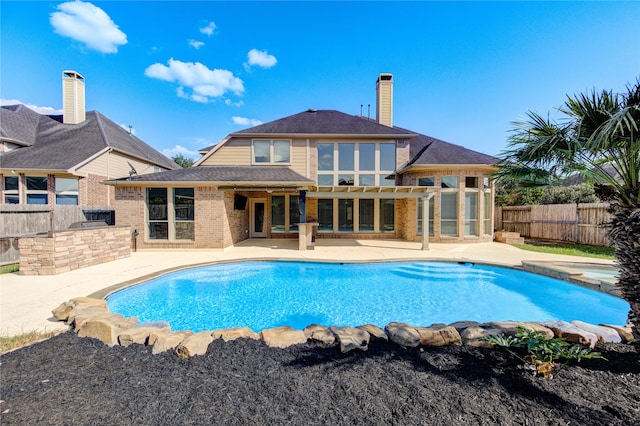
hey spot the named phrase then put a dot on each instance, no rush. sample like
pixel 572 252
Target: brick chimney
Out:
pixel 384 99
pixel 73 110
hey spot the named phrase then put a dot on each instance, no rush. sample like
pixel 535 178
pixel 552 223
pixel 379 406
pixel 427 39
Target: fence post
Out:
pixel 577 222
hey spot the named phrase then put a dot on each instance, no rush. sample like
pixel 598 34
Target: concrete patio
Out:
pixel 26 301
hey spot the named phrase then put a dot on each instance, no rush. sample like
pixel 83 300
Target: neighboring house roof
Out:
pixel 325 122
pixel 51 145
pixel 250 175
pixel 425 150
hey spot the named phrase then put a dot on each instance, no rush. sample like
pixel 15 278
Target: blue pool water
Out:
pixel 265 294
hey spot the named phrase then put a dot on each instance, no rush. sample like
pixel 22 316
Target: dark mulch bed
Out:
pixel 70 380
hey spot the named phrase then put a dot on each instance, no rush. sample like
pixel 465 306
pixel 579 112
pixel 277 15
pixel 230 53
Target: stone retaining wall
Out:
pixel 72 249
pixel 91 318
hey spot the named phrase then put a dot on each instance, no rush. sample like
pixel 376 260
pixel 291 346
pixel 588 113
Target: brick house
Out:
pixel 55 160
pixel 349 176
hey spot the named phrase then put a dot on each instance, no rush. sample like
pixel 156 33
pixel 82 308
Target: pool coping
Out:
pixel 563 271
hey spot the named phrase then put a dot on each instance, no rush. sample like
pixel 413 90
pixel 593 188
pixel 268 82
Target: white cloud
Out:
pixel 196 44
pixel 208 29
pixel 39 109
pixel 179 149
pixel 244 121
pixel 88 24
pixel 261 58
pixel 235 104
pixel 205 84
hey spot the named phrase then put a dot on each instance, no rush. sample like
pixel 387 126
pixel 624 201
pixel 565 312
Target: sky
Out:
pixel 184 75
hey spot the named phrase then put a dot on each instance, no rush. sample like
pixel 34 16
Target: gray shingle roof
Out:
pixel 425 150
pixel 326 122
pixel 51 145
pixel 221 174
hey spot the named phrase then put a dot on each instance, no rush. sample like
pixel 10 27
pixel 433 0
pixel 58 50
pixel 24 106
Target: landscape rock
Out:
pixel 475 335
pixel 282 337
pixel 196 344
pixel 461 325
pixel 510 328
pixel 439 335
pixel 164 341
pixel 105 328
pixel 230 334
pixel 572 333
pixel 320 333
pixel 374 331
pixel 625 332
pixel 403 334
pixel 61 313
pixel 139 335
pixel 351 338
pixel 605 334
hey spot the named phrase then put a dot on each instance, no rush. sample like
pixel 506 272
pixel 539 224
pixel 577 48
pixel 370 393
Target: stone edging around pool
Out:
pixel 90 317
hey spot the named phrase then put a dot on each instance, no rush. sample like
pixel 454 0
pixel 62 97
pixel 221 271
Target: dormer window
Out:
pixel 271 151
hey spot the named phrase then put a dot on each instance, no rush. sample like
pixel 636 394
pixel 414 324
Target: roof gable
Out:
pixel 51 145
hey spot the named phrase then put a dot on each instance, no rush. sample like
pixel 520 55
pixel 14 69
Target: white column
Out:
pixel 425 220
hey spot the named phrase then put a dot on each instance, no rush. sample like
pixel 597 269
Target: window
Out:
pixel 362 164
pixel 280 206
pixel 345 215
pixel 66 191
pixel 11 190
pixel 183 207
pixel 325 215
pixel 325 156
pixel 427 181
pixel 487 213
pixel 471 181
pixel 367 156
pixel 157 213
pixel 449 182
pixel 471 213
pixel 268 151
pixel 421 219
pixel 37 190
pixel 170 218
pixel 365 215
pixel 449 214
pixel 387 215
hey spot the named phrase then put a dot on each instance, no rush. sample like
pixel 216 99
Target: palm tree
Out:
pixel 598 136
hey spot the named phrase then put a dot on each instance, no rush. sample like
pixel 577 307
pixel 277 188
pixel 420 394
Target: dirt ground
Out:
pixel 71 380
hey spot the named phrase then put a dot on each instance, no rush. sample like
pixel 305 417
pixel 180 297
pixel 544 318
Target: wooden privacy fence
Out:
pixel 577 223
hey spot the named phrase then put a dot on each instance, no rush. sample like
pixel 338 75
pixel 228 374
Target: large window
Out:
pixel 449 214
pixel 285 213
pixel 421 219
pixel 470 213
pixel 11 190
pixel 37 190
pixel 67 191
pixel 357 215
pixel 271 151
pixel 325 215
pixel 184 215
pixel 387 215
pixel 170 218
pixel 356 164
pixel 487 213
pixel 365 215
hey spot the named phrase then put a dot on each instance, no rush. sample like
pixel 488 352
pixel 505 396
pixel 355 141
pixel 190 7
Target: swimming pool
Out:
pixel 265 294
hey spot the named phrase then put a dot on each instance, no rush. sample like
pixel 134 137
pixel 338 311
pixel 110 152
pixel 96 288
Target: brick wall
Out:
pixel 65 251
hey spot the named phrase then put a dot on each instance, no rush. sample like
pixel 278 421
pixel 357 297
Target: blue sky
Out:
pixel 186 74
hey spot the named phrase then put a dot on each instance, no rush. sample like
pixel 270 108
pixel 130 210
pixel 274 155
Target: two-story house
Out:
pixel 352 176
pixel 56 160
